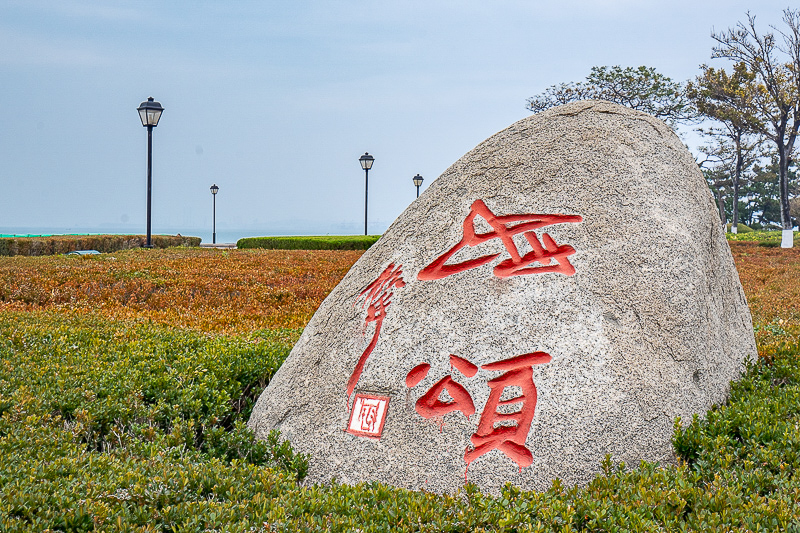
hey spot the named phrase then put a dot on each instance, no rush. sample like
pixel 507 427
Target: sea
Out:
pixel 223 235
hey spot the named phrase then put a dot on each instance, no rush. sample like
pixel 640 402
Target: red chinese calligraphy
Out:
pixel 499 427
pixel 494 433
pixel 377 297
pixel 430 405
pixel 550 256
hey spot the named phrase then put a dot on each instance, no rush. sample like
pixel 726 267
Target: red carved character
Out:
pixel 494 433
pixel 429 405
pixel 377 297
pixel 550 256
pixel 503 431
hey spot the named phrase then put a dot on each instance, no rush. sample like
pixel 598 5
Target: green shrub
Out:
pixel 125 426
pixel 761 236
pixel 61 244
pixel 741 228
pixel 141 385
pixel 327 242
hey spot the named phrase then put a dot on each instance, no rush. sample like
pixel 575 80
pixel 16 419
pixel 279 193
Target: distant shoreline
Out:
pixel 223 236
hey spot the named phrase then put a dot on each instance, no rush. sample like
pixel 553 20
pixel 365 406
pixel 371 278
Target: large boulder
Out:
pixel 562 292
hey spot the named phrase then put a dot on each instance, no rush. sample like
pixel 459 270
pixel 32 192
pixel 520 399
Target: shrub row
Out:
pixel 61 244
pixel 363 242
pixel 767 237
pixel 325 242
pixel 124 426
pixel 740 228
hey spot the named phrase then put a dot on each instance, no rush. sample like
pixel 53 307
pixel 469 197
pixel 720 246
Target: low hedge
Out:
pixel 123 426
pixel 740 228
pixel 61 244
pixel 323 242
pixel 766 237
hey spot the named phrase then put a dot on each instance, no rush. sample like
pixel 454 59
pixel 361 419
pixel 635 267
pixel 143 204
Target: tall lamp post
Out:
pixel 214 191
pixel 366 161
pixel 417 182
pixel 150 112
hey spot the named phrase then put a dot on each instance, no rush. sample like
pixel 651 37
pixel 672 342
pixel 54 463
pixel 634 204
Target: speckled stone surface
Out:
pixel 652 324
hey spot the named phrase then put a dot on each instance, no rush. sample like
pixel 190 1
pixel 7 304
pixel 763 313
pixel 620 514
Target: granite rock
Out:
pixel 560 293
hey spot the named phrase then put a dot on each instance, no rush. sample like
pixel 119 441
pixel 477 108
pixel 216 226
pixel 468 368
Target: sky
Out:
pixel 274 101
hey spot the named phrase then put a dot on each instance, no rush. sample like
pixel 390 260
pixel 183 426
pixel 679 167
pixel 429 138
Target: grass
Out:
pixel 123 396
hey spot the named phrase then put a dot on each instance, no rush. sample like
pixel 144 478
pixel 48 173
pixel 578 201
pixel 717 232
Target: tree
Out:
pixel 730 101
pixel 641 88
pixel 779 95
pixel 762 207
pixel 717 179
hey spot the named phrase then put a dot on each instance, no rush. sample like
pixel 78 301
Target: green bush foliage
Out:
pixel 127 426
pixel 61 244
pixel 325 242
pixel 90 405
pixel 765 237
pixel 740 228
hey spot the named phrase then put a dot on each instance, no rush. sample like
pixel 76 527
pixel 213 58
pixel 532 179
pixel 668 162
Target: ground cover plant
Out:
pixel 111 420
pixel 321 242
pixel 764 237
pixel 203 289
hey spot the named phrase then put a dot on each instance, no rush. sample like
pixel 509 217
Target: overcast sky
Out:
pixel 275 101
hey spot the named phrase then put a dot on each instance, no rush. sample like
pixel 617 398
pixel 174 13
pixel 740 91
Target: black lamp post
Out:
pixel 149 111
pixel 366 161
pixel 417 182
pixel 214 191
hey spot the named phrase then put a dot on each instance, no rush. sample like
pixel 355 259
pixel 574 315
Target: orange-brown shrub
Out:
pixel 204 289
pixel 245 289
pixel 771 280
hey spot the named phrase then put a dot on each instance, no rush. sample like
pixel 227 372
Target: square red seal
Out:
pixel 368 416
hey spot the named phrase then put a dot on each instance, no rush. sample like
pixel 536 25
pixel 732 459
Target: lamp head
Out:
pixel 150 112
pixel 366 161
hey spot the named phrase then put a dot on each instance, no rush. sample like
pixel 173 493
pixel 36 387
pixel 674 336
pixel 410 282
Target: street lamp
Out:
pixel 149 111
pixel 417 182
pixel 214 191
pixel 366 161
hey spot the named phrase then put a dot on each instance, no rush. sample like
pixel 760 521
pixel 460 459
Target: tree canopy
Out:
pixel 641 88
pixel 749 114
pixel 731 101
pixel 776 65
